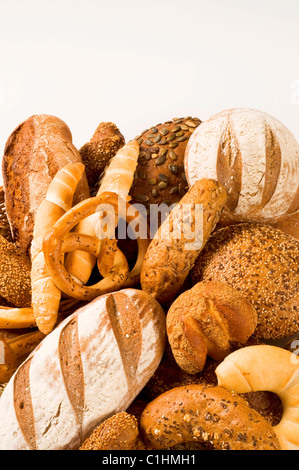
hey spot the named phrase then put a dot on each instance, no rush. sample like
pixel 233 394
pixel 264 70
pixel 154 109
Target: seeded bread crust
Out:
pixel 160 173
pixel 195 412
pixel 33 154
pixel 169 257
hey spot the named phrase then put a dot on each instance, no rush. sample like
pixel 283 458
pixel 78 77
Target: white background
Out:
pixel 138 63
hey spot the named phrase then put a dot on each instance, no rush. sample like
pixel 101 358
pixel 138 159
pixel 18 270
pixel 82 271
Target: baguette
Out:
pixel 35 151
pixel 91 366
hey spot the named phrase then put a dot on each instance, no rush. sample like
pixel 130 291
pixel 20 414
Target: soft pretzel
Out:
pixel 59 199
pixel 207 320
pixel 118 179
pixel 198 413
pixel 112 263
pixel 269 368
pixel 119 432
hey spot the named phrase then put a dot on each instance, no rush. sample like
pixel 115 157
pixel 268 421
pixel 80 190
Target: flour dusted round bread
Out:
pixel 91 366
pixel 254 156
pixel 261 262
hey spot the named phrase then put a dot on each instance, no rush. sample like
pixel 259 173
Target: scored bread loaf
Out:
pixel 254 156
pixel 91 366
pixel 33 154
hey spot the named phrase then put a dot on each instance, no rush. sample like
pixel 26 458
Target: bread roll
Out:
pixel 261 262
pixel 91 366
pixel 254 156
pixel 33 154
pixel 171 254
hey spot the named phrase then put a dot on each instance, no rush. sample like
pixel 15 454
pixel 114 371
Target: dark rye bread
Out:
pixel 33 154
pixel 160 173
pixel 90 367
pixel 261 262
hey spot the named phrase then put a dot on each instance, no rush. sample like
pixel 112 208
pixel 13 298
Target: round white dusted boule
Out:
pixel 254 156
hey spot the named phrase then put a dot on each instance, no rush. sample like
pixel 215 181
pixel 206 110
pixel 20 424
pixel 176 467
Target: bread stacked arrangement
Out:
pixel 181 337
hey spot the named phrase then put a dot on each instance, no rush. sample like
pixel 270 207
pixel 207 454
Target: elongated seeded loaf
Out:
pixel 90 367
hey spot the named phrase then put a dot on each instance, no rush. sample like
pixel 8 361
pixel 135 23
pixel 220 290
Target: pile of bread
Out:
pixel 156 342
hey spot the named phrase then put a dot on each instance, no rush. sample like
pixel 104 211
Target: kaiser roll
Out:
pixel 254 156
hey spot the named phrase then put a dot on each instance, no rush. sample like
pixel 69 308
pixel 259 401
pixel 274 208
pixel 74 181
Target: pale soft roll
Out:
pixel 90 367
pixel 267 368
pixel 254 156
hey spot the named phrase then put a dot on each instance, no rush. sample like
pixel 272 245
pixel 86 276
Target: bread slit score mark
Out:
pixel 23 404
pixel 273 166
pixel 126 327
pixel 71 367
pixel 229 166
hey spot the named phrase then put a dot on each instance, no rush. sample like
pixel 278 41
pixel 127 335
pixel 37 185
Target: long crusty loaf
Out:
pixel 34 152
pixel 91 366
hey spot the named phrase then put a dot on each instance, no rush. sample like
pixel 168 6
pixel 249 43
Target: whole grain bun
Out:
pixel 160 173
pixel 206 321
pixel 96 154
pixel 254 156
pixel 261 262
pixel 15 275
pixel 33 154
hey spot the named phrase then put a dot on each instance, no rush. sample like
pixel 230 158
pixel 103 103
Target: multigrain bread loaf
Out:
pixel 160 174
pixel 178 241
pixel 261 262
pixel 195 412
pixel 207 320
pixel 254 156
pixel 33 154
pixel 91 366
pixel 15 275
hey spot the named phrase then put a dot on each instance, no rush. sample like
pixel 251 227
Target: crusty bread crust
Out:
pixel 169 258
pixel 195 412
pixel 33 154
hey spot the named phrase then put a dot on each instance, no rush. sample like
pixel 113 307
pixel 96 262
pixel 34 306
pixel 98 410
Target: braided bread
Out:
pixel 91 366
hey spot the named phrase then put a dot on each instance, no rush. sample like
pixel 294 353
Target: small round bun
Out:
pixel 206 321
pixel 160 173
pixel 254 156
pixel 261 262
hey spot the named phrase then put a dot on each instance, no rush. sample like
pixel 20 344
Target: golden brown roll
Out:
pixel 261 262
